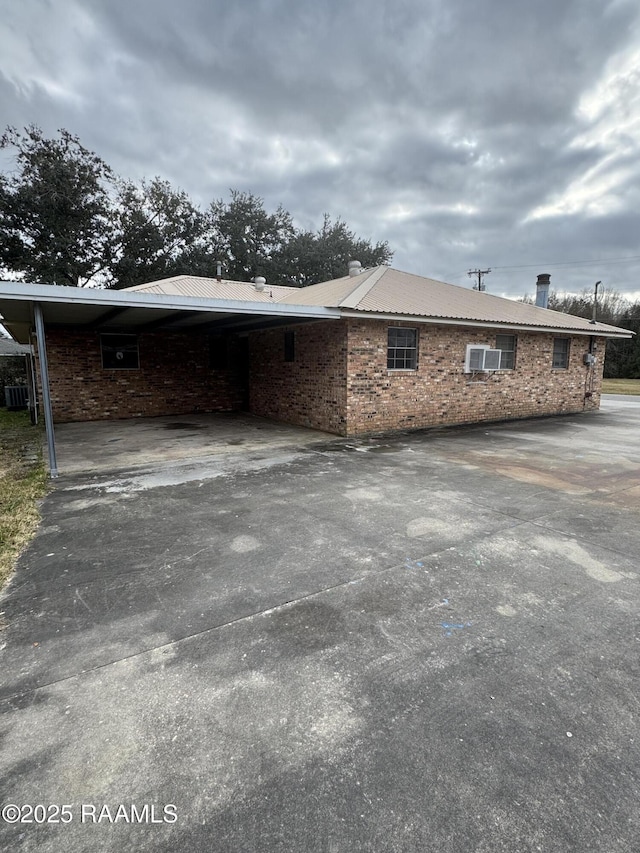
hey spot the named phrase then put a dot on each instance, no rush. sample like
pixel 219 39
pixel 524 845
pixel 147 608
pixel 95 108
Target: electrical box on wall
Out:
pixel 589 359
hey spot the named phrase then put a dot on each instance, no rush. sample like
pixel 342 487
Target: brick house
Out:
pixel 412 352
pixel 378 349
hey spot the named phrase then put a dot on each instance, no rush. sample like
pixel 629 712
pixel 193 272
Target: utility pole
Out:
pixel 480 274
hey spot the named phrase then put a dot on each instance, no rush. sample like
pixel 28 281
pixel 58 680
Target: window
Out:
pixel 402 351
pixel 119 352
pixel 289 346
pixel 561 353
pixel 218 352
pixel 507 345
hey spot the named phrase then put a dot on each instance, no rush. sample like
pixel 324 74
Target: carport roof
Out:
pixel 126 309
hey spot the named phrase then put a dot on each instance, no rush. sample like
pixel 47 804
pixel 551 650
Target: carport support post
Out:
pixel 46 398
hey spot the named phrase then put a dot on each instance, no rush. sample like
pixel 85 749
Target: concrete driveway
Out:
pixel 427 642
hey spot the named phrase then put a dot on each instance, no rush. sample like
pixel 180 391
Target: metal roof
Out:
pixel 389 292
pixel 189 302
pixel 211 288
pixel 93 309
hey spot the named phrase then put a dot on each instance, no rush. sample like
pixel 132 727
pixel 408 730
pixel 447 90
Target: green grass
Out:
pixel 621 386
pixel 23 481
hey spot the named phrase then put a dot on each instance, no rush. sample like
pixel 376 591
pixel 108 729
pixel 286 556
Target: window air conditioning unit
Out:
pixel 481 359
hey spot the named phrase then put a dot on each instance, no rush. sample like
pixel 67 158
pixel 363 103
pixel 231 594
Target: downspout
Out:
pixel 46 397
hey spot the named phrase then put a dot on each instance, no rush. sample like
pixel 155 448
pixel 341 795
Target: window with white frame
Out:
pixel 402 349
pixel 560 353
pixel 507 346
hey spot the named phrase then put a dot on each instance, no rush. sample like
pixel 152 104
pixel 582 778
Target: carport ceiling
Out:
pixel 93 309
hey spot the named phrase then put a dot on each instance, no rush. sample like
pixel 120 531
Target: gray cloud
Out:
pixel 468 133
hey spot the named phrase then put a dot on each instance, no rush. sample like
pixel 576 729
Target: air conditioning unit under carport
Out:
pixel 481 359
pixel 16 397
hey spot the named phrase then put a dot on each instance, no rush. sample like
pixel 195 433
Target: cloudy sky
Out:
pixel 500 134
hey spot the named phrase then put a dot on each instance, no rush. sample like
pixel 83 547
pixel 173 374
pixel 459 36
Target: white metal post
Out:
pixel 46 397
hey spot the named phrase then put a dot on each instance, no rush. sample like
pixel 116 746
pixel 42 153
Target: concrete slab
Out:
pixel 96 446
pixel 420 642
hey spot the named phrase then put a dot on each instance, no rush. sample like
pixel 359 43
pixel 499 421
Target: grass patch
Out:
pixel 621 386
pixel 23 481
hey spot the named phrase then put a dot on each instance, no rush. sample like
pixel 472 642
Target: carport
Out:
pixel 29 310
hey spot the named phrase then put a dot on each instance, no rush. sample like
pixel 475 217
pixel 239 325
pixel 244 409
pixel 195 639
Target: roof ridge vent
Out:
pixel 362 288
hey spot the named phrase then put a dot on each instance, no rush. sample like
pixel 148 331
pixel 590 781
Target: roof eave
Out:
pixel 597 329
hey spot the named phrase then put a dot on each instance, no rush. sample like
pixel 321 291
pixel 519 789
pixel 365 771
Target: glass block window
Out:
pixel 119 352
pixel 507 344
pixel 561 353
pixel 402 349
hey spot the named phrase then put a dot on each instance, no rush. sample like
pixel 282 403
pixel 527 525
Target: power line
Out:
pixel 570 263
pixel 543 264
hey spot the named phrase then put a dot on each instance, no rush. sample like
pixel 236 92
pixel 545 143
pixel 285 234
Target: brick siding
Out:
pixel 439 392
pixel 174 378
pixel 310 390
pixel 337 382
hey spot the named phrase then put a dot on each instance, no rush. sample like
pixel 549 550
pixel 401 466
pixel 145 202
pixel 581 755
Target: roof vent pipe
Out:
pixel 219 271
pixel 355 268
pixel 259 283
pixel 542 290
pixel 595 303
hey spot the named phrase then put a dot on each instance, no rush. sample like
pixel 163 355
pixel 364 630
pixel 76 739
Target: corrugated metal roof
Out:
pixel 81 306
pixel 384 290
pixel 211 288
pixel 328 292
pixel 395 292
